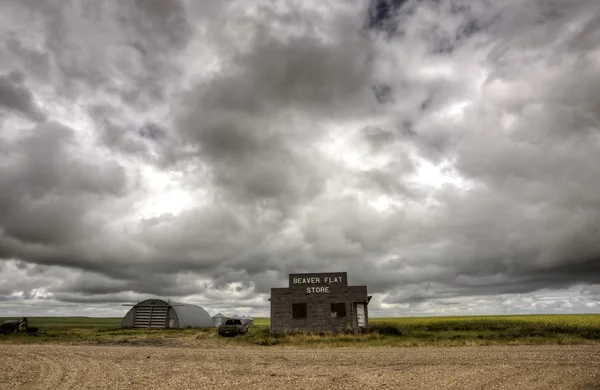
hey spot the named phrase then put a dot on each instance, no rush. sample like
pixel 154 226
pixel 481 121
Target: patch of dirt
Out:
pixel 160 367
pixel 158 342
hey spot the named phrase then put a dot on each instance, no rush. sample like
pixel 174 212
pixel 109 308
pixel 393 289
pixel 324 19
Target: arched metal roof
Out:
pixel 157 313
pixel 192 316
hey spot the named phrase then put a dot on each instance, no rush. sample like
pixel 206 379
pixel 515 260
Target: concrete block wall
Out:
pixel 318 311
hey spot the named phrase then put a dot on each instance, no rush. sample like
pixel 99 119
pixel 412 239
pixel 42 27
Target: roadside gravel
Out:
pixel 133 367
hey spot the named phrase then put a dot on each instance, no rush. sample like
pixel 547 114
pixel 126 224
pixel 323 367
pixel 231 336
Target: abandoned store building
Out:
pixel 320 302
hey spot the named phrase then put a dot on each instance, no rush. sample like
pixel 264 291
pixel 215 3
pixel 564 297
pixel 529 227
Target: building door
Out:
pixel 360 315
pixel 150 317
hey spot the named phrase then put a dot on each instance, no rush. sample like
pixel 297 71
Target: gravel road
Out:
pixel 134 367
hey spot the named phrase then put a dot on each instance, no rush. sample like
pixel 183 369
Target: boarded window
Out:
pixel 298 310
pixel 338 309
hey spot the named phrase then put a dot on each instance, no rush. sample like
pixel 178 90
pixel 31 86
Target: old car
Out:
pixel 17 327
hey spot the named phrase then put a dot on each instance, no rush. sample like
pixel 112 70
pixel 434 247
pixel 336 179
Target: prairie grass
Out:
pixel 382 332
pixel 449 331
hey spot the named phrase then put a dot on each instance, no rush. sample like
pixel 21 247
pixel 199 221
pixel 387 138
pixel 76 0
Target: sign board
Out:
pixel 321 283
pixel 360 314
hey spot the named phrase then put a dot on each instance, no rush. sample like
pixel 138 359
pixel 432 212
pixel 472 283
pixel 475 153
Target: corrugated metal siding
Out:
pixel 192 316
pixel 150 317
pixel 218 321
pixel 156 313
pixel 141 317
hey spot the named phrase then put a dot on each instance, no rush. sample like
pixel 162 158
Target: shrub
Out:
pixel 384 328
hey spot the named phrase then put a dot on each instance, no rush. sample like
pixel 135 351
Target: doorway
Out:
pixel 361 320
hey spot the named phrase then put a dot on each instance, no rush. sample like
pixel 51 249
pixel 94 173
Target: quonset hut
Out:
pixel 159 314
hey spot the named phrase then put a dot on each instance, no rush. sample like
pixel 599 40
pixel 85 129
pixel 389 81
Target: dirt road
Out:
pixel 133 367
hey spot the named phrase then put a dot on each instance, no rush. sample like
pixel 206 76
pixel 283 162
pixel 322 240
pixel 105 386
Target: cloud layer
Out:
pixel 445 154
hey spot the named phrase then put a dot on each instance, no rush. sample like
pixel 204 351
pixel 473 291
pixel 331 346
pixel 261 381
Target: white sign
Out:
pixel 317 280
pixel 306 280
pixel 360 314
pixel 310 290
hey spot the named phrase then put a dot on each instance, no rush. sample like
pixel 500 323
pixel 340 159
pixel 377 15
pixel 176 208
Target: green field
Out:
pixel 69 322
pixel 90 322
pixel 406 331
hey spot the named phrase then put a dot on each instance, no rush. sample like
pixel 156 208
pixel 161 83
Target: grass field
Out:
pixel 407 331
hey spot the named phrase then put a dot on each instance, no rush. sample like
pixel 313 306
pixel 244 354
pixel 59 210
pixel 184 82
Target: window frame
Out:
pixel 337 305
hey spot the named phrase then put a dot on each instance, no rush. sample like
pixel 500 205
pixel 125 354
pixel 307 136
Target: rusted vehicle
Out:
pixel 16 327
pixel 233 327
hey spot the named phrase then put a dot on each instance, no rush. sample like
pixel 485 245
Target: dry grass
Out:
pixel 393 332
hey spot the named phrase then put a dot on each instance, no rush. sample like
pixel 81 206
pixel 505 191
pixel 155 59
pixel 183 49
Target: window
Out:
pixel 338 309
pixel 298 310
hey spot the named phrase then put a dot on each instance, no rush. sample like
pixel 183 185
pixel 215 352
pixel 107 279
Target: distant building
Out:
pixel 218 319
pixel 319 302
pixel 156 313
pixel 248 320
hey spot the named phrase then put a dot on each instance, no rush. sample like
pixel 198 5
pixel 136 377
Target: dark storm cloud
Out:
pixel 246 120
pixel 152 131
pixel 49 196
pixel 164 22
pixel 378 138
pixel 16 97
pixel 119 55
pixel 303 71
pixel 450 165
pixel 96 44
pixel 382 15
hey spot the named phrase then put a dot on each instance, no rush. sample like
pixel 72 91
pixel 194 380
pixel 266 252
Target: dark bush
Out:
pixel 383 328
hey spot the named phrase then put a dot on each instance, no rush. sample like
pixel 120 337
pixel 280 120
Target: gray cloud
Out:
pixel 46 193
pixel 15 96
pixel 443 153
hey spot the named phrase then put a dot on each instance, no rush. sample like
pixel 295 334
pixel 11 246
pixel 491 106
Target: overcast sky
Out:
pixel 444 153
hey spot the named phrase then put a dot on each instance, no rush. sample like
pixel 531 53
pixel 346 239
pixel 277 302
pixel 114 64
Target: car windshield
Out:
pixel 233 322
